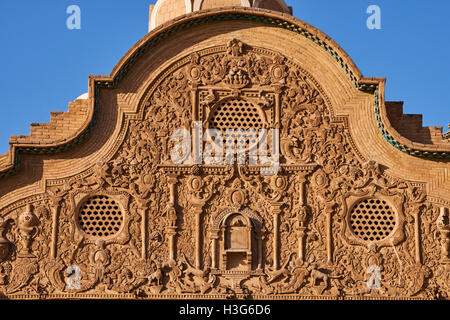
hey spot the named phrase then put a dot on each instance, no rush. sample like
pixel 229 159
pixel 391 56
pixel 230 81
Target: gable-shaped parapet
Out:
pixel 64 130
pixel 360 99
pixel 352 98
pixel 343 187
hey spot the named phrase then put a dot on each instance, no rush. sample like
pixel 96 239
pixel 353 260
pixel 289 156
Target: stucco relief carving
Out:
pixel 227 230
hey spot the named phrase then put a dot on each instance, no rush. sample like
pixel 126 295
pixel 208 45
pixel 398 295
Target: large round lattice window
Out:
pixel 239 121
pixel 236 114
pixel 372 220
pixel 100 217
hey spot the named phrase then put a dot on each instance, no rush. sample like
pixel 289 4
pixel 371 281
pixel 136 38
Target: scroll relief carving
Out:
pixel 326 223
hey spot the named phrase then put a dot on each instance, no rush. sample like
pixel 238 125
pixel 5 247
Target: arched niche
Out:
pixel 236 241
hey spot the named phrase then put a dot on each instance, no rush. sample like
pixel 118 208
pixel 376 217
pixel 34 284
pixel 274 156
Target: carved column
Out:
pixel 260 251
pixel 195 106
pixel 171 229
pixel 224 247
pixel 301 192
pixel 172 180
pixel 171 232
pixel 417 209
pixel 276 211
pixel 198 210
pixel 197 135
pixel 198 200
pixel 277 116
pixel 443 225
pixel 250 246
pixel 302 214
pixel 301 240
pixel 417 235
pixel 329 210
pixel 142 205
pixel 214 235
pixel 55 208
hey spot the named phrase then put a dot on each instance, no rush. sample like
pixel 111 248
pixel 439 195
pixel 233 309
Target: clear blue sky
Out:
pixel 43 65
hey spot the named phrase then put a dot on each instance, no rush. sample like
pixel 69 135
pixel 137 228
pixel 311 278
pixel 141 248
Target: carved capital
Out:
pixel 214 233
pixel 197 207
pixel 276 207
pixel 330 208
pixel 55 201
pixel 172 179
pixel 142 204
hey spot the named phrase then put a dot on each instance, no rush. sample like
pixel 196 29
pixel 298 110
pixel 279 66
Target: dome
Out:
pixel 166 10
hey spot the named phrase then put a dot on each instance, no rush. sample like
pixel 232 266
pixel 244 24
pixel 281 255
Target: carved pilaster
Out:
pixel 329 211
pixel 301 216
pixel 443 225
pixel 260 250
pixel 171 232
pixel 301 232
pixel 276 211
pixel 277 117
pixel 198 210
pixel 416 210
pixel 214 236
pixel 195 105
pixel 301 179
pixel 171 229
pixel 142 207
pixel 55 202
pixel 418 254
pixel 172 180
pixel 197 136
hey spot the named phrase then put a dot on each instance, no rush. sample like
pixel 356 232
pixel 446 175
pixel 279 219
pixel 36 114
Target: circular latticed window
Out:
pixel 372 220
pixel 237 115
pixel 100 217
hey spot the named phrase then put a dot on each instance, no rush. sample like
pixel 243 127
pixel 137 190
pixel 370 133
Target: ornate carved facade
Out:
pixel 105 213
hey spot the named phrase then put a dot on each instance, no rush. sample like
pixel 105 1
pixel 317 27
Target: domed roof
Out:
pixel 166 10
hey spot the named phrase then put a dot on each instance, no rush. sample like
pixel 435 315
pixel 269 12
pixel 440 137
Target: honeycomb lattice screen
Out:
pixel 372 220
pixel 237 115
pixel 100 217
